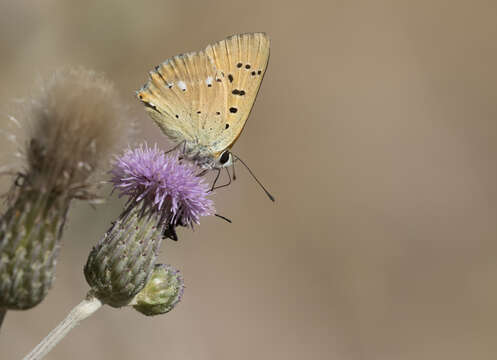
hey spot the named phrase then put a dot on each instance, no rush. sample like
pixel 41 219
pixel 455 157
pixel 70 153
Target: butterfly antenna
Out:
pixel 234 174
pixel 255 178
pixel 222 217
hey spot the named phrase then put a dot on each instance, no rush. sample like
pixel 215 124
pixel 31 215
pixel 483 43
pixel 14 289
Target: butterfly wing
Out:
pixel 205 97
pixel 180 95
pixel 243 60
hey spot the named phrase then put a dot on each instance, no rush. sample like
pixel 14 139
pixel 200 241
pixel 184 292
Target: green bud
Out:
pixel 119 266
pixel 163 291
pixel 30 234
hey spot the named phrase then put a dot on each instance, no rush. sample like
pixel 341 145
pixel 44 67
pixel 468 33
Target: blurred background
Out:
pixel 376 130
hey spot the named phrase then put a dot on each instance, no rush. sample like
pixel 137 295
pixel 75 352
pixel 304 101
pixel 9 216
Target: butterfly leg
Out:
pixel 215 180
pixel 202 173
pixel 177 146
pixel 221 186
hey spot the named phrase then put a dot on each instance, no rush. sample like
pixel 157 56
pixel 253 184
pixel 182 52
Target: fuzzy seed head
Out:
pixel 75 122
pixel 72 125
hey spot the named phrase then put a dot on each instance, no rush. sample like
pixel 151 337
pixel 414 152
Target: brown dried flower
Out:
pixel 74 124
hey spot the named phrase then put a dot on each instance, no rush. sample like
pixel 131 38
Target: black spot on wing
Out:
pixel 150 106
pixel 230 77
pixel 233 110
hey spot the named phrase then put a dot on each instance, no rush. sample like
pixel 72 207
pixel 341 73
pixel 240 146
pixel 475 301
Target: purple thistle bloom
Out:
pixel 163 184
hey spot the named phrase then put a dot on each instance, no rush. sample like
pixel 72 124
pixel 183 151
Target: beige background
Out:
pixel 376 130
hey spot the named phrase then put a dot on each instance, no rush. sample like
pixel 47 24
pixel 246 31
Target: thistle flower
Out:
pixel 147 175
pixel 162 193
pixel 74 124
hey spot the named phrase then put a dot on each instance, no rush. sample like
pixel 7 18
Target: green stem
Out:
pixel 80 312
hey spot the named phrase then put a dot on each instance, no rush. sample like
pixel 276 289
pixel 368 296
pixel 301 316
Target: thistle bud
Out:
pixel 162 292
pixel 118 267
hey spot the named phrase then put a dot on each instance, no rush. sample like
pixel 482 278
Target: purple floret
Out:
pixel 163 184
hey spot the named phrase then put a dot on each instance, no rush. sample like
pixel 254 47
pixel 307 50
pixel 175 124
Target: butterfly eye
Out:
pixel 225 157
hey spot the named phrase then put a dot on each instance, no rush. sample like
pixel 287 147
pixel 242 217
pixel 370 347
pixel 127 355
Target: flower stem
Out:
pixel 80 312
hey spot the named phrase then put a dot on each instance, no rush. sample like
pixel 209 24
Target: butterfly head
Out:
pixel 223 160
pixel 205 158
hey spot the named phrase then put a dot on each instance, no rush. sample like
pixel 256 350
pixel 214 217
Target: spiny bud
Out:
pixel 119 266
pixel 162 193
pixel 162 292
pixel 29 241
pixel 73 125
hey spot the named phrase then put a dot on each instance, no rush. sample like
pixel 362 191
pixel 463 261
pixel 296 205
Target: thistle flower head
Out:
pixel 162 183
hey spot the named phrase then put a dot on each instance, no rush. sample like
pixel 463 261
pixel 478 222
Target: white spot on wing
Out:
pixel 208 81
pixel 182 85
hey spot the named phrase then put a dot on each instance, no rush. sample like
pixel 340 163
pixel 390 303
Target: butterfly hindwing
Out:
pixel 205 97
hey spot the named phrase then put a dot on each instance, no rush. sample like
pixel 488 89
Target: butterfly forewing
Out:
pixel 243 59
pixel 181 94
pixel 205 97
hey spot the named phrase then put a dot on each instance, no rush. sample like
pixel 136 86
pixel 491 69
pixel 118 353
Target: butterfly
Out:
pixel 201 100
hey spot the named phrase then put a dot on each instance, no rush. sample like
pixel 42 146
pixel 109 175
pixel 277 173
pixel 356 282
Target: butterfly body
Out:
pixel 201 100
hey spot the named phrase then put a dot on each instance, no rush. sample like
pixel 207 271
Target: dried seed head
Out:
pixel 73 126
pixel 76 122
